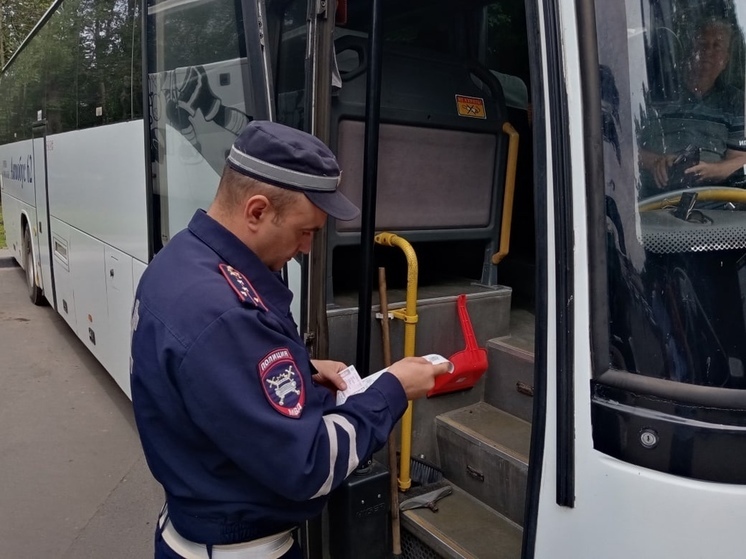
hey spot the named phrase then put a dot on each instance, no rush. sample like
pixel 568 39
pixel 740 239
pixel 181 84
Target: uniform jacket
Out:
pixel 243 441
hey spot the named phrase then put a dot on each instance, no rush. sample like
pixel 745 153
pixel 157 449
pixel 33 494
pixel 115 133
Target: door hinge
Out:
pixel 321 8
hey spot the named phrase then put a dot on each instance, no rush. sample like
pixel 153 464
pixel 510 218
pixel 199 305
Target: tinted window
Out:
pixel 81 69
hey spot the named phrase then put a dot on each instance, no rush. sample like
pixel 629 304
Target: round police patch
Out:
pixel 282 382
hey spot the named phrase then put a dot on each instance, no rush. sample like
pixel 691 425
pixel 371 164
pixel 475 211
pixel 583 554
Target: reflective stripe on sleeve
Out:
pixel 331 421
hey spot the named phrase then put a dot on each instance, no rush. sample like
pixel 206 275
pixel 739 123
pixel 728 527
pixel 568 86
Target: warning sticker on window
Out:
pixel 470 106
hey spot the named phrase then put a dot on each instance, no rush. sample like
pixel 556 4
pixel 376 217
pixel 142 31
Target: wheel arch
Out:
pixel 25 224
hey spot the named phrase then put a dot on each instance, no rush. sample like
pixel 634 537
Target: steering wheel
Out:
pixel 704 194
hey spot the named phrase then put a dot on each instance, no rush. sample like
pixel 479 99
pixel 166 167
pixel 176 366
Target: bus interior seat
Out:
pixel 440 175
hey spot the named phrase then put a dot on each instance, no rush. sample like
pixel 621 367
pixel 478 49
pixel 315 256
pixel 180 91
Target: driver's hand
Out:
pixel 708 172
pixel 660 169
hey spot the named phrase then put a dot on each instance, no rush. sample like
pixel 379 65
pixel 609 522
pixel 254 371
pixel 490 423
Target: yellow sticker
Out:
pixel 470 106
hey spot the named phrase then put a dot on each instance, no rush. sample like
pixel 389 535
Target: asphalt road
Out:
pixel 73 479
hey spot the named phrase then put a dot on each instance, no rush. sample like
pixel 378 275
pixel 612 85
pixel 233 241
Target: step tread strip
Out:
pixel 465 528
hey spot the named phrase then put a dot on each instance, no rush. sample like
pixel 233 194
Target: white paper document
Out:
pixel 356 384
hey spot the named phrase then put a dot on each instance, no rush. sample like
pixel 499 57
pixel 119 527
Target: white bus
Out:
pixel 610 418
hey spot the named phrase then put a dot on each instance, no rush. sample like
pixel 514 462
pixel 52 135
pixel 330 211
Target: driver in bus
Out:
pixel 697 139
pixel 237 422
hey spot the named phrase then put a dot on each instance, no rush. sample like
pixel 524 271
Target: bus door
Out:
pixel 43 230
pixel 645 366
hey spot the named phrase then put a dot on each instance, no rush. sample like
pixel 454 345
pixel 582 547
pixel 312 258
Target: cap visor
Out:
pixel 335 204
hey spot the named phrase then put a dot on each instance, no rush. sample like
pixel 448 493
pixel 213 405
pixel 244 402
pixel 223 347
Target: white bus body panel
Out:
pixel 95 291
pixel 14 210
pixel 18 194
pixel 120 296
pixel 99 228
pixel 89 292
pixel 63 278
pixel 621 511
pixel 99 236
pixel 103 194
pixel 295 277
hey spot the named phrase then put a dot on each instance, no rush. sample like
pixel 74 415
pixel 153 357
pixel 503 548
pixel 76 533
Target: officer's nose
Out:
pixel 305 243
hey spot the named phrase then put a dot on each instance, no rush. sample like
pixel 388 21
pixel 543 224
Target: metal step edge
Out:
pixel 522 338
pixel 427 526
pixel 504 343
pixel 510 454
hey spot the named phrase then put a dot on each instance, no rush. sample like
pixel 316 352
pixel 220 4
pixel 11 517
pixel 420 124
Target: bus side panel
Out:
pixel 120 295
pixel 87 269
pixel 13 209
pixel 138 269
pixel 18 196
pixel 105 195
pixel 63 279
pixel 95 285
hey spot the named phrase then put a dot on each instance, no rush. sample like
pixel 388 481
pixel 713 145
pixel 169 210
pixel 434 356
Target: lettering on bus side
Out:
pixel 21 171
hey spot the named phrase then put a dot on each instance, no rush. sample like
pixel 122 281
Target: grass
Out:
pixel 2 228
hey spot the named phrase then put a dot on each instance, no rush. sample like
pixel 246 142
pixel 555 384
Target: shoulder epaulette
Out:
pixel 242 286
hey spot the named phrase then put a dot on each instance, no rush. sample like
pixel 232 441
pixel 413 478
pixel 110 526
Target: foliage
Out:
pixel 17 19
pixel 81 69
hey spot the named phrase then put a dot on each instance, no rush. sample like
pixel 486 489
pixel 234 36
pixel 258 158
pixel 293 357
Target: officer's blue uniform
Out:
pixel 243 441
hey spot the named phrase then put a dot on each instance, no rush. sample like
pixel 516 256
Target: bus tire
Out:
pixel 34 291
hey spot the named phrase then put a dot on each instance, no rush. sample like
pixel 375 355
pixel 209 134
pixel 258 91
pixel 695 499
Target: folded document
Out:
pixel 356 384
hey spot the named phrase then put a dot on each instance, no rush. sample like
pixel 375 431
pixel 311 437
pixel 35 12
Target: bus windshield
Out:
pixel 673 114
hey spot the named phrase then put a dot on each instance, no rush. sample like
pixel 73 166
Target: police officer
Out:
pixel 237 423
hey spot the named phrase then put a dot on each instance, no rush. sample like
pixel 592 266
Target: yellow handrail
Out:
pixel 507 218
pixel 409 316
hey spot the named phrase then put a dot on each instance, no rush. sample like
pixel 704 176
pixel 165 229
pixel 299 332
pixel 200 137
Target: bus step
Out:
pixel 510 379
pixel 463 527
pixel 485 452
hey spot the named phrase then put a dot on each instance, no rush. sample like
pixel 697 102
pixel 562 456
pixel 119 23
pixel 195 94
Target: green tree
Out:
pixel 17 19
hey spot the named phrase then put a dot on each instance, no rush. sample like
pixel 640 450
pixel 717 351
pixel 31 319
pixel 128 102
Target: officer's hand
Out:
pixel 328 374
pixel 417 375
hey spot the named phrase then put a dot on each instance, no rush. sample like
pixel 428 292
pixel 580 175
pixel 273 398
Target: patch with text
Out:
pixel 282 382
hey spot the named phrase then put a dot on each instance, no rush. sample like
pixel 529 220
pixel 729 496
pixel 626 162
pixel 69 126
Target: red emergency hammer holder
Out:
pixel 469 364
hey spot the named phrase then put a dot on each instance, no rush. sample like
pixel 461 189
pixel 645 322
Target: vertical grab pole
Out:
pixel 409 316
pixel 370 185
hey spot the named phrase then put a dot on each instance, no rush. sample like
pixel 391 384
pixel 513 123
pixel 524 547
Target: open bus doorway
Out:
pixel 454 74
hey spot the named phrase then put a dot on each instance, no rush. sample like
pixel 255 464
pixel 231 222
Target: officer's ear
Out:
pixel 256 210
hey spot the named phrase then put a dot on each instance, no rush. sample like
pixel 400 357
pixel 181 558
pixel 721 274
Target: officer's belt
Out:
pixel 270 547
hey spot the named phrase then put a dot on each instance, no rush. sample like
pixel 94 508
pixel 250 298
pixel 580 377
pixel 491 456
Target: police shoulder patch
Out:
pixel 282 382
pixel 242 286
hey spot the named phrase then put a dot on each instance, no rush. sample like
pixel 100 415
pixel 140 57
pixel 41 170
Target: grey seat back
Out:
pixel 442 152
